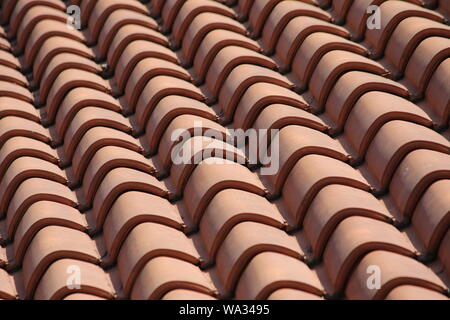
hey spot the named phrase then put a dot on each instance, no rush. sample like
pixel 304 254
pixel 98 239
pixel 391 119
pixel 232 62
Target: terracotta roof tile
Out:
pixel 164 274
pixel 352 239
pixel 281 14
pixel 91 177
pixel 23 27
pixel 53 284
pixel 425 60
pixel 213 43
pixel 129 33
pixel 412 272
pixel 431 218
pixel 437 94
pixel 244 242
pixel 407 36
pixel 268 272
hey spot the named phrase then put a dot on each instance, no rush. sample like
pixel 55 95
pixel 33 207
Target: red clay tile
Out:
pixel 132 209
pixel 371 112
pixel 296 142
pixel 23 28
pixel 438 94
pixel 156 7
pixel 53 284
pixel 355 237
pixel 104 9
pixel 332 66
pixel 12 126
pixel 227 59
pixel 74 101
pixel 164 274
pixel 258 97
pixel 383 159
pixel 333 204
pixel 8 74
pixel 245 241
pixel 135 52
pixel 396 270
pixel 39 216
pixel 118 181
pixel 90 117
pixel 53 243
pixel 93 140
pixel 126 35
pixel 20 7
pixel 213 43
pixel 70 79
pixel 277 116
pixel 431 217
pixel 425 60
pixel 418 170
pixel 201 25
pixel 313 49
pixel 54 46
pixel 44 30
pixel 244 7
pixel 25 168
pixel 13 90
pixel 393 13
pixel 7 59
pixel 60 63
pixel 86 7
pixel 114 22
pixel 170 10
pixel 168 109
pixel 148 69
pixel 280 16
pixel 294 34
pixel 148 241
pixel 340 8
pixel 34 190
pixel 413 292
pixel 17 108
pixel 5 45
pixel 270 271
pixel 259 14
pixel 349 88
pixel 154 91
pixel 357 15
pixel 108 158
pixel 190 10
pixel 199 147
pixel 17 147
pixel 209 178
pixel 312 173
pixel 407 36
pixel 7 286
pixel 78 105
pixel 229 208
pixel 239 80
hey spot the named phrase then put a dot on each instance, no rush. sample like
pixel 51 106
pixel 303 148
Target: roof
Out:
pixel 93 204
